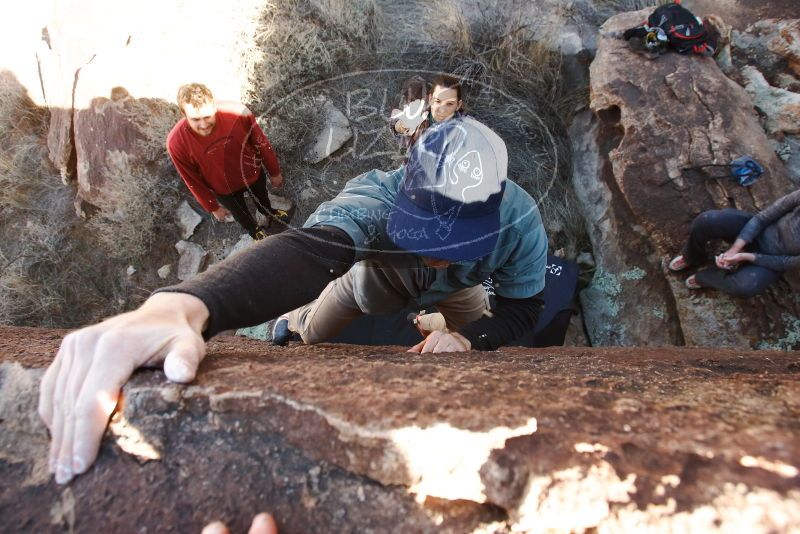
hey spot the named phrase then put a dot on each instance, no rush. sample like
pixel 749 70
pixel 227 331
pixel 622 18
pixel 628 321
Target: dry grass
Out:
pixel 139 206
pixel 52 272
pixel 307 40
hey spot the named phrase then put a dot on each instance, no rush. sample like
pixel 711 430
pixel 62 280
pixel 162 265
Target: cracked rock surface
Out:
pixel 338 438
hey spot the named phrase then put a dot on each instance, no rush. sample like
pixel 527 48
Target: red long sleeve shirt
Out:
pixel 223 162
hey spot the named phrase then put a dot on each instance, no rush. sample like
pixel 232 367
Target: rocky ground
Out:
pixel 372 439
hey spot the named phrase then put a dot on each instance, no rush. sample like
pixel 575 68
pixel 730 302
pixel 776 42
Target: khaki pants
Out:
pixel 338 305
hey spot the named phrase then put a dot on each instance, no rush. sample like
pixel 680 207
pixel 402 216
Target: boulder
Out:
pixel 338 438
pixel 192 259
pixel 119 140
pixel 656 127
pixel 334 134
pixel 628 300
pixel 188 219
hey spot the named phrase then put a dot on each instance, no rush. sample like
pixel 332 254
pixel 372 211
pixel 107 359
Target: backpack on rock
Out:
pixel 674 26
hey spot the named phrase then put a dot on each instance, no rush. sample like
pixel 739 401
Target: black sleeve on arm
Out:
pixel 275 275
pixel 510 320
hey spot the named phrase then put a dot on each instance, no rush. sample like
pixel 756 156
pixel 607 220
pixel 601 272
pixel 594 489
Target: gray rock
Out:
pixel 187 219
pixel 131 270
pixel 309 193
pixel 192 259
pixel 262 332
pixel 781 107
pixel 279 202
pixel 333 135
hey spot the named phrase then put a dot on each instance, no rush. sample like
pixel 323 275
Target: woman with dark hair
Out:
pixel 420 108
pixel 764 247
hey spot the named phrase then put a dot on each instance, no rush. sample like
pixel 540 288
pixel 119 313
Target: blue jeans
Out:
pixel 746 281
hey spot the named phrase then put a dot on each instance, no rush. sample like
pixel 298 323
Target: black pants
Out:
pixel 235 203
pixel 748 279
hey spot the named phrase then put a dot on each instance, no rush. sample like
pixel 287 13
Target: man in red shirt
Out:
pixel 220 153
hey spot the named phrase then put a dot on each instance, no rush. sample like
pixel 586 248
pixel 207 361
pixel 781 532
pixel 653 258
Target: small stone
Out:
pixel 191 261
pixel 188 219
pixel 585 258
pixel 131 270
pixel 279 202
pixel 244 241
pixel 164 271
pixel 334 134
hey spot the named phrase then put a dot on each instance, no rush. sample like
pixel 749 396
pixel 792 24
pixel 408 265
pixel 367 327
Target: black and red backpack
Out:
pixel 684 31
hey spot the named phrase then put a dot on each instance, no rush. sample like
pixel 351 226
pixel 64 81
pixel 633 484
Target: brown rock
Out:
pixel 628 301
pixel 338 438
pixel 118 141
pixel 662 122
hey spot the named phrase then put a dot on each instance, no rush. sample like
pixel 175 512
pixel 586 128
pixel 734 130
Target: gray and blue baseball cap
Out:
pixel 448 204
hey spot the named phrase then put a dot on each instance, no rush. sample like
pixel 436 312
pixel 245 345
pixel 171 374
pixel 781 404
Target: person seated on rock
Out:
pixel 219 150
pixel 419 108
pixel 436 228
pixel 765 246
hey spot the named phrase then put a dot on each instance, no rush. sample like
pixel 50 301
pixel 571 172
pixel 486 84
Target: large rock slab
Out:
pixel 339 438
pixel 628 302
pixel 659 123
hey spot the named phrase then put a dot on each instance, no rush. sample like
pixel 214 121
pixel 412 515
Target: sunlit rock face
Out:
pixel 110 75
pixel 643 161
pixel 336 438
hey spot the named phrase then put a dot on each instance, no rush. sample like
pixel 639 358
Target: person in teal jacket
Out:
pixel 451 208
